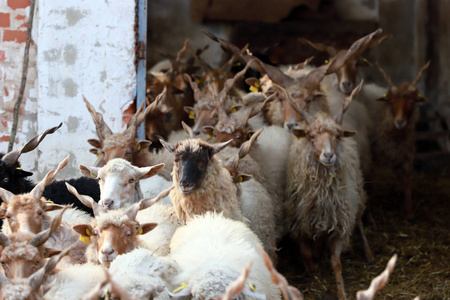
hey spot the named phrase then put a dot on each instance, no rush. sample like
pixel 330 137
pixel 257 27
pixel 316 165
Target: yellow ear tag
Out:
pixel 420 95
pixel 240 179
pixel 253 88
pixel 139 147
pixel 209 136
pixel 92 175
pixel 384 95
pixel 18 168
pixel 365 60
pixel 88 232
pixel 49 201
pixel 250 135
pixel 140 231
pixel 233 110
pixel 197 80
pixel 237 64
pixel 251 286
pixel 183 285
pixel 85 239
pixel 327 61
pixel 192 115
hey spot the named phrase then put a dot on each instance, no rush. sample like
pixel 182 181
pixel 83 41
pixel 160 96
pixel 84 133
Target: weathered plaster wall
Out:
pixel 84 47
pixel 13 34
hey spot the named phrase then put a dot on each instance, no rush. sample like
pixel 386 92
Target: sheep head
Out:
pixel 12 177
pixel 347 75
pixel 121 145
pixel 192 158
pixel 402 98
pixel 115 232
pixel 24 253
pixel 118 181
pixel 25 212
pixel 323 132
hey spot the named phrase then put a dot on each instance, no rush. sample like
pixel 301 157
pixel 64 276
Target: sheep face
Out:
pixel 118 181
pixel 12 177
pixel 24 213
pixel 323 136
pixel 230 129
pixel 303 97
pixel 192 158
pixel 205 115
pixel 347 75
pixel 402 101
pixel 113 233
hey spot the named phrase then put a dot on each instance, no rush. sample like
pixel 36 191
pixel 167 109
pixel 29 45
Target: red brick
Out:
pixel 24 25
pixel 4 138
pixel 17 36
pixel 6 91
pixel 21 17
pixel 4 123
pixel 2 55
pixel 15 4
pixel 5 20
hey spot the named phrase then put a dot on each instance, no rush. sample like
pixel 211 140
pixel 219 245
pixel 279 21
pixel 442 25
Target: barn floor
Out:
pixel 423 267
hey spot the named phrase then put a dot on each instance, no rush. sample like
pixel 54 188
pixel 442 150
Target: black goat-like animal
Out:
pixel 14 179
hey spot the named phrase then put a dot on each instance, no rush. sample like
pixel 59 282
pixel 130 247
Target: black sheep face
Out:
pixel 13 178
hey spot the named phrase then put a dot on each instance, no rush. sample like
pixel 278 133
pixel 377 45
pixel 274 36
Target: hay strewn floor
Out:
pixel 423 267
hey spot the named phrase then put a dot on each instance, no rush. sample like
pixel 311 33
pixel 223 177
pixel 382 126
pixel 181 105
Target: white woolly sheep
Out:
pixel 211 251
pixel 325 197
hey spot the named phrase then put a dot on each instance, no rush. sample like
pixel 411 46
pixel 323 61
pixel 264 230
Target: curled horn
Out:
pixel 345 105
pixel 35 281
pixel 274 73
pixel 420 73
pixel 38 190
pixel 86 200
pixel 12 157
pixel 229 83
pixel 386 76
pixel 356 49
pixel 319 46
pixel 146 203
pixel 188 130
pixel 202 63
pixel 229 64
pixel 194 87
pixel 140 116
pixel 102 129
pixel 378 282
pixel 233 162
pixel 257 108
pixel 305 115
pixel 40 238
pixel 176 62
pixel 4 240
pixel 236 287
pixel 289 292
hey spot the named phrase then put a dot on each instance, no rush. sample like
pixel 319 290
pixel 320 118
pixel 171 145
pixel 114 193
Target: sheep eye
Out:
pixel 128 233
pixel 128 152
pixel 95 232
pixel 311 136
pixel 131 181
pixel 40 213
pixel 238 137
pixel 38 263
pixel 3 263
pixel 6 179
pixel 103 152
pixel 338 137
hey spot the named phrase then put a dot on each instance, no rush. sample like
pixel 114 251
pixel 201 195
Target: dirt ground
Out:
pixel 423 246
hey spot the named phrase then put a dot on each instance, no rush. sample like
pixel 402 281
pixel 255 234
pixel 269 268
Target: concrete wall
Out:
pixel 84 47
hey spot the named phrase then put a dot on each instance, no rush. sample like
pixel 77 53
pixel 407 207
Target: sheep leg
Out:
pixel 336 249
pixel 367 251
pixel 407 193
pixel 307 257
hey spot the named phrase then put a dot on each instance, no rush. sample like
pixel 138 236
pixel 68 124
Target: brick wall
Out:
pixel 13 35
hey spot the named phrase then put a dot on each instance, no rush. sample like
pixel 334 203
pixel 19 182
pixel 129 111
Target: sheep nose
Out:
pixel 291 125
pixel 328 155
pixel 107 203
pixel 400 123
pixel 107 251
pixel 346 84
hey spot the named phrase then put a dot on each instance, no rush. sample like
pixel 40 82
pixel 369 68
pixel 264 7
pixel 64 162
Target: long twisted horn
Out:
pixel 345 105
pixel 101 127
pixel 146 203
pixel 12 157
pixel 305 115
pixel 386 76
pixel 86 200
pixel 420 73
pixel 40 238
pixel 244 149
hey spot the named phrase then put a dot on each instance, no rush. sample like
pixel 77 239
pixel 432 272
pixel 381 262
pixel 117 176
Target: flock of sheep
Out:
pixel 197 212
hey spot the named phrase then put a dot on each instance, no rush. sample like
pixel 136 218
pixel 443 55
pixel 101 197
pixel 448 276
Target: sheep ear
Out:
pixel 147 172
pixel 384 98
pixel 2 213
pixel 49 252
pixel 95 143
pixel 52 206
pixel 421 98
pixel 188 110
pixel 299 132
pixel 143 145
pixel 22 173
pixel 235 108
pixel 168 146
pixel 146 227
pixel 208 130
pixel 5 195
pixel 91 172
pixel 216 148
pixel 348 133
pixel 83 229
